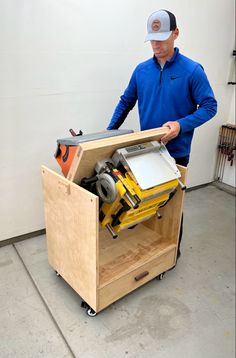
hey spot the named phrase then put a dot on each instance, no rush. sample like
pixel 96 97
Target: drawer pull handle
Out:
pixel 141 275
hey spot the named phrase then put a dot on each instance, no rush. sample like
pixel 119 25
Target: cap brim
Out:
pixel 158 36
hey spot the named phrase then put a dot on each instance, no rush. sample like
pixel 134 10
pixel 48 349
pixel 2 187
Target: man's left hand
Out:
pixel 174 131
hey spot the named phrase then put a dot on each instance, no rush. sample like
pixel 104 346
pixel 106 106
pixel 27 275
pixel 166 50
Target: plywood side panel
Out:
pixel 169 225
pixel 71 215
pixel 89 153
pixel 172 213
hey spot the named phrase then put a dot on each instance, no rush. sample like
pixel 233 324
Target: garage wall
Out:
pixel 64 64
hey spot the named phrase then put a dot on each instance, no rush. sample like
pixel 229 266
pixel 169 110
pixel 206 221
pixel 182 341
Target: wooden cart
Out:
pixel 102 270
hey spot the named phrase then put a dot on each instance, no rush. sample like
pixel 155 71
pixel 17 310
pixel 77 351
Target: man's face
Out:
pixel 163 49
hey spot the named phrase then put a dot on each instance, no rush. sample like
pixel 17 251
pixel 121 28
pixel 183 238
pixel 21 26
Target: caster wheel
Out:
pixel 84 305
pixel 160 277
pixel 91 312
pixel 57 273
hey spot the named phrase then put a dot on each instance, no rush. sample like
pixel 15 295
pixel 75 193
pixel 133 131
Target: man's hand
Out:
pixel 174 131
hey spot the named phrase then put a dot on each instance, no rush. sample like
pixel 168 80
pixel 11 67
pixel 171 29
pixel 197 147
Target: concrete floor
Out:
pixel 190 313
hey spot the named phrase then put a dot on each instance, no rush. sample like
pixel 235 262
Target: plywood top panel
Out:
pixel 89 153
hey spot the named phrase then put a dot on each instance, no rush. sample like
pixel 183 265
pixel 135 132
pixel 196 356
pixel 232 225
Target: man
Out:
pixel 172 91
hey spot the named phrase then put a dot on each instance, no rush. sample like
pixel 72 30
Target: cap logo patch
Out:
pixel 156 25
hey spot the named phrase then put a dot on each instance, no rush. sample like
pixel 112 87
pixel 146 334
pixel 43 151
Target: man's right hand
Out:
pixel 173 132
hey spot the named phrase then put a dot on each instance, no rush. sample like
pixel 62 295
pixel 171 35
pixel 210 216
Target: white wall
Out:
pixel 64 63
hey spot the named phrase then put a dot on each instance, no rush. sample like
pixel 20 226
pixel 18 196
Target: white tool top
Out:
pixel 150 163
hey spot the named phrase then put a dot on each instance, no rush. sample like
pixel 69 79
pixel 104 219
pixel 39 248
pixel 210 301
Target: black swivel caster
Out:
pixel 160 277
pixel 90 312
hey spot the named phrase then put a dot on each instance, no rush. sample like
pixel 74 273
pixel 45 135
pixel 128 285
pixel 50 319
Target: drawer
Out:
pixel 129 282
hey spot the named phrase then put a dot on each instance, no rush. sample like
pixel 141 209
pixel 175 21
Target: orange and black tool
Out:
pixel 66 149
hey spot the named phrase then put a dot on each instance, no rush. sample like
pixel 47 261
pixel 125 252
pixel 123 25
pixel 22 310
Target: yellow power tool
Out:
pixel 133 185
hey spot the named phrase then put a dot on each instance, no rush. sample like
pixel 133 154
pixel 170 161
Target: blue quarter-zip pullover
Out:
pixel 178 92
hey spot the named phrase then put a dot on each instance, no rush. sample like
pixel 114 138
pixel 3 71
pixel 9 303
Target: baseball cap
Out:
pixel 160 24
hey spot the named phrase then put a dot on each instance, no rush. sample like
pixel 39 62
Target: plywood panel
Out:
pixel 89 153
pixel 127 283
pixel 172 213
pixel 169 225
pixel 71 215
pixel 131 249
pixel 100 269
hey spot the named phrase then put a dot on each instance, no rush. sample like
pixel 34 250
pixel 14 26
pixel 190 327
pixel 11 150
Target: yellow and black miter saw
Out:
pixel 133 184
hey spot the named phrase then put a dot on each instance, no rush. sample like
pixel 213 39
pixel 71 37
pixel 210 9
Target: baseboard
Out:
pixel 197 187
pixel 225 187
pixel 19 238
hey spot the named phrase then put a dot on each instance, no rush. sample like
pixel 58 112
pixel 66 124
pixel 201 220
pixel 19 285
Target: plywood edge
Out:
pixel 147 134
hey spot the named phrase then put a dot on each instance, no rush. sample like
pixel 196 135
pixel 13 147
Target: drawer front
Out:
pixel 125 284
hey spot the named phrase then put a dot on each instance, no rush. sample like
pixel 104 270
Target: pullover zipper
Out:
pixel 161 74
